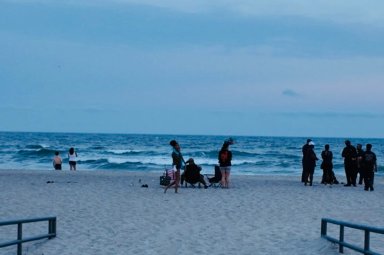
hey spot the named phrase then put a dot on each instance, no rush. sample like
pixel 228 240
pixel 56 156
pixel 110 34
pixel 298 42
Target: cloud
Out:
pixel 290 93
pixel 342 11
pixel 333 115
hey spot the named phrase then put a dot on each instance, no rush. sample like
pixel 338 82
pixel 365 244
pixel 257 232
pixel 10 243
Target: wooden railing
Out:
pixel 19 241
pixel 367 230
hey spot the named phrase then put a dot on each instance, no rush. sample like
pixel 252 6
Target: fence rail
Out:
pixel 367 230
pixel 19 241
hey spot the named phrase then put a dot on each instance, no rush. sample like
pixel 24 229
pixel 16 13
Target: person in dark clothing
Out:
pixel 177 162
pixel 360 153
pixel 192 174
pixel 304 151
pixel 327 165
pixel 369 167
pixel 350 163
pixel 309 164
pixel 225 158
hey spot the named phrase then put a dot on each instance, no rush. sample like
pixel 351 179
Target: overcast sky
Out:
pixel 275 68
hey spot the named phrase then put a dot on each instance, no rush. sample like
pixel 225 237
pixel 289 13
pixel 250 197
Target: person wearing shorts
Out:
pixel 225 158
pixel 57 161
pixel 177 163
pixel 72 155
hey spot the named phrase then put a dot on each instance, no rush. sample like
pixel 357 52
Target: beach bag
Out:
pixel 168 175
pixel 165 180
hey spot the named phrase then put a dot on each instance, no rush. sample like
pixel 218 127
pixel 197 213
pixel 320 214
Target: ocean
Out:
pixel 252 155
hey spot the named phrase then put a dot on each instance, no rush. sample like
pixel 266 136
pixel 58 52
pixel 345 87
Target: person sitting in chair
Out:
pixel 192 174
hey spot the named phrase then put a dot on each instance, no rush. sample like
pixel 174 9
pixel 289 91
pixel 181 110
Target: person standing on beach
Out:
pixel 369 167
pixel 72 155
pixel 360 153
pixel 225 158
pixel 177 162
pixel 327 165
pixel 57 161
pixel 350 163
pixel 304 151
pixel 309 164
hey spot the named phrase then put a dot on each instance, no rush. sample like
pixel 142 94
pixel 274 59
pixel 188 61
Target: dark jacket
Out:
pixel 177 159
pixel 369 161
pixel 349 154
pixel 192 173
pixel 327 157
pixel 310 158
pixel 304 149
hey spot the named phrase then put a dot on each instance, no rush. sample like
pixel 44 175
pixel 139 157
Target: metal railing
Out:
pixel 367 230
pixel 19 241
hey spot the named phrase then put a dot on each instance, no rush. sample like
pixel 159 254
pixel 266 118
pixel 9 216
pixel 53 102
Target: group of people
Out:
pixel 72 159
pixel 356 161
pixel 192 171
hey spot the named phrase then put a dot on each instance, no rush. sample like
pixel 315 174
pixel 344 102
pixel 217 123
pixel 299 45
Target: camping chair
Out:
pixel 192 176
pixel 215 180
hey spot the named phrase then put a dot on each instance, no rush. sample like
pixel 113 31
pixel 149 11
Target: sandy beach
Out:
pixel 108 212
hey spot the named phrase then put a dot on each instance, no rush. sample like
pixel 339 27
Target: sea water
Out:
pixel 252 155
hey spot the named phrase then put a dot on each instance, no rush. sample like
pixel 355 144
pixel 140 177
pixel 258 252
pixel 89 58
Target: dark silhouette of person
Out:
pixel 309 164
pixel 360 153
pixel 225 158
pixel 192 174
pixel 327 166
pixel 369 167
pixel 350 163
pixel 304 151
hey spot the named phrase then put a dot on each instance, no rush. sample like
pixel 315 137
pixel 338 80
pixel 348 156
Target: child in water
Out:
pixel 57 161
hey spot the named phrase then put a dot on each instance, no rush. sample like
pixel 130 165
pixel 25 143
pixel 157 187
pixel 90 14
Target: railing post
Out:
pixel 19 238
pixel 366 242
pixel 341 239
pixel 323 227
pixel 52 228
pixel 49 228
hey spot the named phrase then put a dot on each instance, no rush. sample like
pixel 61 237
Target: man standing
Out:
pixel 350 163
pixel 304 150
pixel 309 164
pixel 360 153
pixel 369 167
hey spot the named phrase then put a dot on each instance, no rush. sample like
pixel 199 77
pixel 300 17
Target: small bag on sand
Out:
pixel 167 176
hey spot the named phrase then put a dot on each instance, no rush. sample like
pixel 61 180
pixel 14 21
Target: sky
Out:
pixel 261 68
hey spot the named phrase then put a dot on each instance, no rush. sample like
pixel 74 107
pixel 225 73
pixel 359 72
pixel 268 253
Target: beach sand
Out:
pixel 108 212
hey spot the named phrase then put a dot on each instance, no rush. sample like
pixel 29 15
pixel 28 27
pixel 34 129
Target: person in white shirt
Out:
pixel 72 155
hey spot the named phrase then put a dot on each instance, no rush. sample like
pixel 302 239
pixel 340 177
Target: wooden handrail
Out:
pixel 19 241
pixel 367 230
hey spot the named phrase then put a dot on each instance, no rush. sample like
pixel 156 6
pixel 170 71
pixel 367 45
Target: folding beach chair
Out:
pixel 191 175
pixel 215 180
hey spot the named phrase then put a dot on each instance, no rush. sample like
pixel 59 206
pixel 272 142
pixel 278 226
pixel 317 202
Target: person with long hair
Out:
pixel 72 155
pixel 225 158
pixel 177 162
